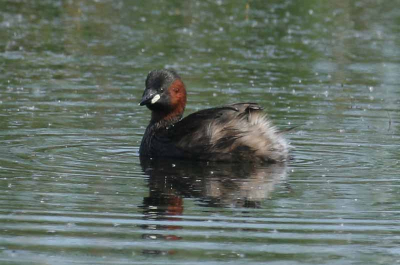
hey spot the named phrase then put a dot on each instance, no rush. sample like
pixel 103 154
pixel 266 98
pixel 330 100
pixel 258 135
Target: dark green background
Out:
pixel 71 186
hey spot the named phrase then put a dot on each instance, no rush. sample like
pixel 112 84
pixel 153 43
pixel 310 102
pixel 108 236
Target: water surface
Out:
pixel 73 189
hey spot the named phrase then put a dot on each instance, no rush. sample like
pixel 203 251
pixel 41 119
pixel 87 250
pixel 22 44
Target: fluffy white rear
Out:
pixel 252 132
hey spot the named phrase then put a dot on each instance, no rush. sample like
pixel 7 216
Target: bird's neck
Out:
pixel 160 120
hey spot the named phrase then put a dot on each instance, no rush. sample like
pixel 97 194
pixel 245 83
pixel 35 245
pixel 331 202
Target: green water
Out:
pixel 73 190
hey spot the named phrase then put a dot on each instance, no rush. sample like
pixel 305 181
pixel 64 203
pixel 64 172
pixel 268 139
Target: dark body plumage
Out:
pixel 236 132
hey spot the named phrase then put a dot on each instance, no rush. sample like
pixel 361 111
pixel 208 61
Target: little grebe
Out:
pixel 229 133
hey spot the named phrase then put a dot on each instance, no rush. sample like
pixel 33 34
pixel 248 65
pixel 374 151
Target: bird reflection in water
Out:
pixel 210 184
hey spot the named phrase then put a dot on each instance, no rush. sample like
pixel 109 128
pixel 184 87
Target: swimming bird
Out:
pixel 236 132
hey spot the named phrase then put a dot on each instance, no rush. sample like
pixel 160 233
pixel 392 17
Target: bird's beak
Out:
pixel 149 97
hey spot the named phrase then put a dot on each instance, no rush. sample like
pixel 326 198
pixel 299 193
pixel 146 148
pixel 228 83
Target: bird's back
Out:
pixel 230 133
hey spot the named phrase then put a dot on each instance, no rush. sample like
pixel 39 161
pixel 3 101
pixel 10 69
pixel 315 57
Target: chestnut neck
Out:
pixel 176 107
